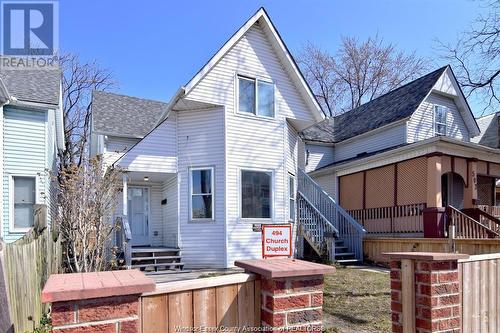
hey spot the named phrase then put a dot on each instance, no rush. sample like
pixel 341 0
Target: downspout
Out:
pixel 3 102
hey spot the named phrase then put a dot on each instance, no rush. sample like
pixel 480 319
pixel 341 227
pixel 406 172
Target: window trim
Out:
pixel 256 92
pixel 190 204
pixel 240 196
pixel 12 227
pixel 436 123
pixel 292 195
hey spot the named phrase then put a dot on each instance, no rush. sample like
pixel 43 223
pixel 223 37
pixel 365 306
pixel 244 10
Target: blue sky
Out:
pixel 154 47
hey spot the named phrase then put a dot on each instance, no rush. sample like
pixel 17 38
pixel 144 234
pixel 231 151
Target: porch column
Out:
pixel 433 215
pixel 434 181
pixel 470 191
pixel 125 195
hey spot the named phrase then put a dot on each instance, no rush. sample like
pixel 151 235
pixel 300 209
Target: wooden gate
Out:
pixel 228 301
pixel 480 280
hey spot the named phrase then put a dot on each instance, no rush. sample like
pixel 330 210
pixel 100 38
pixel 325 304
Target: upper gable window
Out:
pixel 440 127
pixel 256 97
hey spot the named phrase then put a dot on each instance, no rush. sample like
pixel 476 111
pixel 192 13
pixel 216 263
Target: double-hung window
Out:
pixel 291 195
pixel 24 200
pixel 256 194
pixel 202 194
pixel 256 97
pixel 440 127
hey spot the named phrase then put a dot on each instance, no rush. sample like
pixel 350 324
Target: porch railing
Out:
pixel 123 239
pixel 349 230
pixel 465 226
pixel 392 219
pixel 492 210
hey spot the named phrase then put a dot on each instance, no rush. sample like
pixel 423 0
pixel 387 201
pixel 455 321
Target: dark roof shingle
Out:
pixel 124 115
pixel 39 85
pixel 395 105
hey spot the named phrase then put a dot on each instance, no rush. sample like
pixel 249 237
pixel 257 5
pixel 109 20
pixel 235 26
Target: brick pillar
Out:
pixel 96 302
pixel 425 292
pixel 291 292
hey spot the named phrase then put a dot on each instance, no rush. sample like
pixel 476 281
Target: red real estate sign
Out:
pixel 276 240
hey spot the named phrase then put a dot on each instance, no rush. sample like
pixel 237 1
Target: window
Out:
pixel 255 97
pixel 256 194
pixel 24 200
pixel 440 120
pixel 291 195
pixel 201 189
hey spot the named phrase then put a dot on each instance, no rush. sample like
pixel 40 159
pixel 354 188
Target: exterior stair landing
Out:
pixel 155 259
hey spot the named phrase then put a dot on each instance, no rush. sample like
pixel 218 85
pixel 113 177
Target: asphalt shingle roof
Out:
pixel 397 104
pixel 124 115
pixel 42 86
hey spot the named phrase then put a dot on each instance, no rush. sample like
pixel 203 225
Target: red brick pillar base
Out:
pixel 91 302
pixel 425 292
pixel 292 293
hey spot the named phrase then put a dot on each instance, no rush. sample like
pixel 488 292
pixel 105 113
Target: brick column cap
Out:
pixel 426 256
pixel 283 267
pixel 77 286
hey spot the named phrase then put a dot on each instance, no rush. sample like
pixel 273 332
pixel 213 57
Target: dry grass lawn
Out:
pixel 357 300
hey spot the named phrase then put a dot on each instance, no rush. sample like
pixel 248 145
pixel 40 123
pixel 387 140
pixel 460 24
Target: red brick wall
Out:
pixel 293 304
pixel 113 314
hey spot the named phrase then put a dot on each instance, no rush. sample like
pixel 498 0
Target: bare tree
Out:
pixel 87 201
pixel 476 57
pixel 357 73
pixel 78 81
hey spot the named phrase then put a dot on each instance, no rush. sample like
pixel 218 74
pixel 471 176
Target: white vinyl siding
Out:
pixel 115 147
pixel 201 143
pixel 318 156
pixel 389 137
pixel 421 123
pixel 25 153
pixel 170 212
pixel 157 152
pixel 328 183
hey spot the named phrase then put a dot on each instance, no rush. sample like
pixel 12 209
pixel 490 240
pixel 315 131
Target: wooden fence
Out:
pixel 394 219
pixel 480 280
pixel 28 264
pixel 373 247
pixel 229 301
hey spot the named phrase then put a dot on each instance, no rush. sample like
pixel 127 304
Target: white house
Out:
pixel 222 155
pixel 31 119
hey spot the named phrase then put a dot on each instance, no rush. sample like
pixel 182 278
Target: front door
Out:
pixel 138 214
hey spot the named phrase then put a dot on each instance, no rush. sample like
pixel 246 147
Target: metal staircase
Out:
pixel 326 226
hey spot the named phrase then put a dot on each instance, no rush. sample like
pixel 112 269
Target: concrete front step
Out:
pixel 147 249
pixel 346 262
pixel 166 264
pixel 344 254
pixel 156 258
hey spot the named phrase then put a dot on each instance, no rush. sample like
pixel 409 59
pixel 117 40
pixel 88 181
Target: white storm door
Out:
pixel 138 214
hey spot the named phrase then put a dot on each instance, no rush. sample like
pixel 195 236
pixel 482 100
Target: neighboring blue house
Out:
pixel 32 132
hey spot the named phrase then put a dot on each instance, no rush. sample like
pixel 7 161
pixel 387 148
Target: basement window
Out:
pixel 255 96
pixel 440 126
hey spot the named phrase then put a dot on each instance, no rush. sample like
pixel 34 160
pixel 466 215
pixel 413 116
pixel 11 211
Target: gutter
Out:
pixel 178 95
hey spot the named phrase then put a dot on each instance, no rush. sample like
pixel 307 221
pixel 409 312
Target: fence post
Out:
pixel 96 302
pixel 291 293
pixel 425 292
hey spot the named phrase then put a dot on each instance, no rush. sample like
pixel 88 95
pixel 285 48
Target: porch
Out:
pixel 148 223
pixel 409 198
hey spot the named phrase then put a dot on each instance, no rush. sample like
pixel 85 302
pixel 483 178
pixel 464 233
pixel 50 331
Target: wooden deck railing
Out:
pixel 393 219
pixel 467 227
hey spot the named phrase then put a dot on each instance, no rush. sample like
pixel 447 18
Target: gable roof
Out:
pixel 125 116
pixel 489 126
pixel 282 51
pixel 391 107
pixel 38 86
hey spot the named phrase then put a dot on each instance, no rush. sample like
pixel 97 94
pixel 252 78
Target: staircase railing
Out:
pixel 466 227
pixel 123 239
pixel 315 227
pixel 349 230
